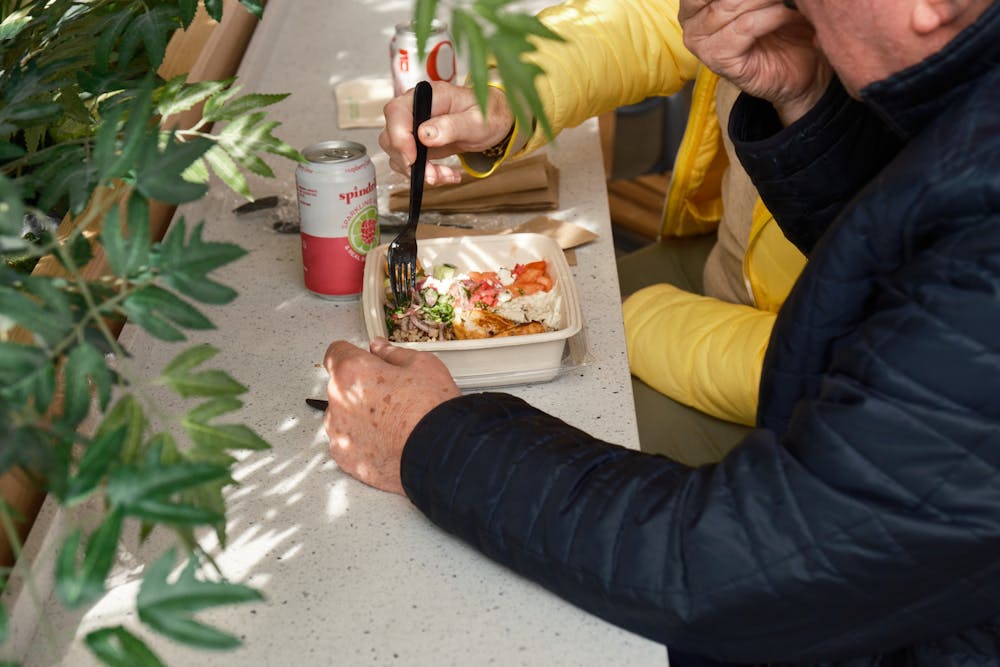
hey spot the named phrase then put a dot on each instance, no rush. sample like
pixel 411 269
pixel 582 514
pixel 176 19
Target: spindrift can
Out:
pixel 338 216
pixel 407 70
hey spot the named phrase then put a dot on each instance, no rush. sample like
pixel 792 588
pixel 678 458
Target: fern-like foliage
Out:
pixel 82 141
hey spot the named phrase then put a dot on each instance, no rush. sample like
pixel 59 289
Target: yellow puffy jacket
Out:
pixel 698 350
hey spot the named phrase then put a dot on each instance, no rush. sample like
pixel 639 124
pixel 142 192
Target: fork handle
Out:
pixel 422 97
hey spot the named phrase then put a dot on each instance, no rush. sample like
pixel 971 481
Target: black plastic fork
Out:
pixel 402 252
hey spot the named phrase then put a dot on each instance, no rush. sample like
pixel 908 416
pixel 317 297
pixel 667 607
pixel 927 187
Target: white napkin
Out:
pixel 360 102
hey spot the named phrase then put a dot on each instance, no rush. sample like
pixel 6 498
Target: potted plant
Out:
pixel 83 144
pixel 85 156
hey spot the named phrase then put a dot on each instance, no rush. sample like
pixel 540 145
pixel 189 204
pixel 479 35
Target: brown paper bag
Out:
pixel 529 184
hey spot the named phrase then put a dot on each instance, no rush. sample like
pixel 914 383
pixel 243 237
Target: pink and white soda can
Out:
pixel 407 70
pixel 338 217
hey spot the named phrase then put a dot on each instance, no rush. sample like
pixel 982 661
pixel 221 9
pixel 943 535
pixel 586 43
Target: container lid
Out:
pixel 326 152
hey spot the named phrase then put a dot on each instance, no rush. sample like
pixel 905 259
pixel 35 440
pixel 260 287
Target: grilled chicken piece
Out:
pixel 477 323
pixel 523 329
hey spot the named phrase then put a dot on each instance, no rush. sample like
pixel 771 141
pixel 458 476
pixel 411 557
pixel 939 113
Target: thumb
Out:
pixel 389 353
pixel 466 128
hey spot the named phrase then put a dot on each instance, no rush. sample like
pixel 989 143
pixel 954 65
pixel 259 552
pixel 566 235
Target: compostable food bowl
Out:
pixel 486 362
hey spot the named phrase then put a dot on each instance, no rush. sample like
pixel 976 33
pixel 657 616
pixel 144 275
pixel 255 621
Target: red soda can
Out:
pixel 338 216
pixel 407 69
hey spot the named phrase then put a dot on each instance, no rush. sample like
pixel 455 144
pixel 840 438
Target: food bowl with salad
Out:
pixel 497 309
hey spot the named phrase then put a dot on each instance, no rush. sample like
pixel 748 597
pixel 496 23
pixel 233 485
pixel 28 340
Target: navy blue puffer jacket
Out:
pixel 860 522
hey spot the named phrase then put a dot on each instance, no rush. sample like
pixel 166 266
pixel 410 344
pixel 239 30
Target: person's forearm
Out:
pixel 757 559
pixel 808 171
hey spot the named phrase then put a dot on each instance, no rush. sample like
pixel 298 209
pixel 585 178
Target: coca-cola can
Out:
pixel 407 69
pixel 338 216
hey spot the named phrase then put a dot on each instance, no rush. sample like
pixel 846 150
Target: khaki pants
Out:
pixel 665 426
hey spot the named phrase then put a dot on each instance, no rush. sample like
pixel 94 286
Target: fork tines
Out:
pixel 401 280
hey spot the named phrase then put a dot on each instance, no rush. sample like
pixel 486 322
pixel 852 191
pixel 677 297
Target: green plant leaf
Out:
pixel 84 362
pixel 157 302
pixel 255 7
pixel 127 255
pixel 189 358
pixel 424 12
pixel 11 209
pixel 79 587
pixel 151 28
pixel 144 492
pixel 30 314
pixel 136 135
pixel 469 34
pixel 208 496
pixel 128 413
pixel 37 112
pixel 34 450
pixel 26 374
pixel 169 608
pixel 9 151
pixel 13 24
pixel 66 172
pixel 222 437
pixel 204 383
pixel 227 170
pixel 214 8
pixel 185 263
pixel 197 171
pixel 519 77
pixel 117 647
pixel 178 95
pixel 213 408
pixel 241 105
pixel 151 321
pixel 78 252
pixel 114 26
pixel 101 453
pixel 159 177
pixel 187 10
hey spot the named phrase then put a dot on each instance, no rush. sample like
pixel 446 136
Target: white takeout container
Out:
pixel 486 362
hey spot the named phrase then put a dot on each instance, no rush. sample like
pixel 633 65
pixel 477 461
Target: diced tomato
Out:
pixel 530 275
pixel 527 289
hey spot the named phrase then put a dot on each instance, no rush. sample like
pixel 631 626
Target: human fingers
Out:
pixel 730 26
pixel 441 174
pixel 396 138
pixel 426 366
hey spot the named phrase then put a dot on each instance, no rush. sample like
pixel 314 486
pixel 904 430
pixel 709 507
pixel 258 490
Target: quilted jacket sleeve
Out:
pixel 772 555
pixel 864 147
pixel 616 52
pixel 700 351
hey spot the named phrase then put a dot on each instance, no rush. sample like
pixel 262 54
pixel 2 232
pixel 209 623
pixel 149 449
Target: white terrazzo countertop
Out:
pixel 351 575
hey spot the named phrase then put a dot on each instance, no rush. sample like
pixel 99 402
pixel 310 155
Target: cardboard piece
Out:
pixel 528 184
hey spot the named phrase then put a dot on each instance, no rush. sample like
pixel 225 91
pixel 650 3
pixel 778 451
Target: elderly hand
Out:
pixel 376 400
pixel 762 46
pixel 456 125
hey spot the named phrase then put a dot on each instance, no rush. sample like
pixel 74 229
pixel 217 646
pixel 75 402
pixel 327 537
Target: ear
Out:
pixel 930 15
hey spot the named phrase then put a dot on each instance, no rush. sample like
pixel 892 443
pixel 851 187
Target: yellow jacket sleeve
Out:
pixel 700 351
pixel 616 52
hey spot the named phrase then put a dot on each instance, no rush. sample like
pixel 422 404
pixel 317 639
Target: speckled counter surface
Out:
pixel 353 576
